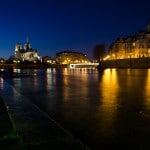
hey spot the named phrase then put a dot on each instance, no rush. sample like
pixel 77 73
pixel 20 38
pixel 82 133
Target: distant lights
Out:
pixel 107 57
pixel 2 61
pixel 16 61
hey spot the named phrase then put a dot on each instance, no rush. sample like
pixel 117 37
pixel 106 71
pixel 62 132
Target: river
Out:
pixel 104 109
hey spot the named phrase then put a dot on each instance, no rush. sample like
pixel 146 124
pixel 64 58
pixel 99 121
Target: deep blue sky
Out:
pixel 78 25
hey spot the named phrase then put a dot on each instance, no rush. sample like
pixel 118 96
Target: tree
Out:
pixel 99 52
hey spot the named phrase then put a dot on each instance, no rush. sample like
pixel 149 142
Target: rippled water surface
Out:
pixel 104 109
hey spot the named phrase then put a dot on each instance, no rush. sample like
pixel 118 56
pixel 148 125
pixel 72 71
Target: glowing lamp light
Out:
pixel 2 61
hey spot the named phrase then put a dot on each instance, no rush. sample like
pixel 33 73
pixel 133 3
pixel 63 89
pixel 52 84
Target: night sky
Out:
pixel 78 25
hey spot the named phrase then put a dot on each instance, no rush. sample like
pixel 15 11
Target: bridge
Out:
pixel 84 65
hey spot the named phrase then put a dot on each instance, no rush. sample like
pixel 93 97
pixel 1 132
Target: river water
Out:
pixel 104 109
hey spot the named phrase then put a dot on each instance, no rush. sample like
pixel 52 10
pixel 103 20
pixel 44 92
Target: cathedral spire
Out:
pixel 27 45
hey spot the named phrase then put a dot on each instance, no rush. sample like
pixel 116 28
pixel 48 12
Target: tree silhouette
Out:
pixel 99 52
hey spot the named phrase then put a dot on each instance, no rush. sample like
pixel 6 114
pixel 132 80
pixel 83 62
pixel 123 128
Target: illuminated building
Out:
pixel 135 46
pixel 26 53
pixel 47 59
pixel 69 57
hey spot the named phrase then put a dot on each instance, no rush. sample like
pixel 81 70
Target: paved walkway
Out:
pixel 36 129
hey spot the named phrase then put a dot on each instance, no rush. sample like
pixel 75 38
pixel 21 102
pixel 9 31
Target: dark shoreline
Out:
pixel 31 66
pixel 130 63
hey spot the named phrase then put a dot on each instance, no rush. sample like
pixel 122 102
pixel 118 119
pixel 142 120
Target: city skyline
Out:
pixel 54 26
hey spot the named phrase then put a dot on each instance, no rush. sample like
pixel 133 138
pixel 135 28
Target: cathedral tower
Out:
pixel 27 45
pixel 18 47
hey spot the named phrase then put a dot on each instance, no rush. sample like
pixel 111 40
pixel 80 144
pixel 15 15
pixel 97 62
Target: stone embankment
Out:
pixel 127 63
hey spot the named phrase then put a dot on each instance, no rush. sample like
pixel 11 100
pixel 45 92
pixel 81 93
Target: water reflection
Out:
pixel 147 88
pixel 17 70
pixel 101 108
pixel 1 83
pixel 66 89
pixel 109 90
pixel 49 78
pixel 71 90
pixel 147 95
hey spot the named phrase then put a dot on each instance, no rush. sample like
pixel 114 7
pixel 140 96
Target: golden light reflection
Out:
pixel 49 78
pixel 147 90
pixel 109 90
pixel 77 73
pixel 66 90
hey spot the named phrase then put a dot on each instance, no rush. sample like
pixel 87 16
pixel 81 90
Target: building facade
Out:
pixel 26 53
pixel 69 57
pixel 135 46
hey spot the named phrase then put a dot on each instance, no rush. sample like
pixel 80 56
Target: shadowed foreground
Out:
pixel 23 126
pixel 8 137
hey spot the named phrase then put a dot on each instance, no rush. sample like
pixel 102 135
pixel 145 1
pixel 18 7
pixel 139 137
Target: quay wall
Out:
pixel 127 63
pixel 118 63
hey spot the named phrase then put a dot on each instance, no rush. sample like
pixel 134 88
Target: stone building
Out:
pixel 69 57
pixel 26 53
pixel 135 46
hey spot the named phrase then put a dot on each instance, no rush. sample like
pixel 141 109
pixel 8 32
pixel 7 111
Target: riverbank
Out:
pixel 127 63
pixel 116 63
